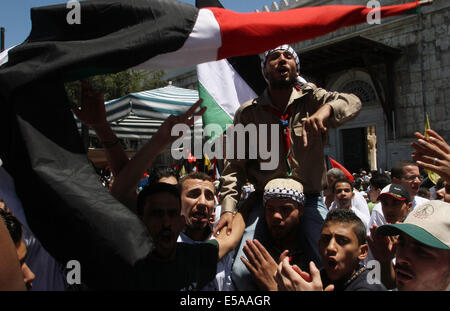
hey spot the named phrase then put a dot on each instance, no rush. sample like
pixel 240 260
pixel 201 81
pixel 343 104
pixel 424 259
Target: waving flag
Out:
pixel 114 35
pixel 331 163
pixel 226 84
pixel 65 205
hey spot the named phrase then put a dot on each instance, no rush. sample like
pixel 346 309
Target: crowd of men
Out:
pixel 300 227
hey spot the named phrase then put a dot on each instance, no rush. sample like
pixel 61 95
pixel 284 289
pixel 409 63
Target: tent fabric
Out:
pixel 139 115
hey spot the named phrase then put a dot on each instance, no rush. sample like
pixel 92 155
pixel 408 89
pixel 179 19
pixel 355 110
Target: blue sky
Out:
pixel 15 14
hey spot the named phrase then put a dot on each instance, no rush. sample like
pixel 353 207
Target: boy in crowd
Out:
pixel 342 246
pixel 396 205
pixel 377 183
pixel 343 198
pixel 358 201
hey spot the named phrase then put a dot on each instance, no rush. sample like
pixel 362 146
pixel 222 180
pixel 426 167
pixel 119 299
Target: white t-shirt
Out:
pixel 359 207
pixel 222 282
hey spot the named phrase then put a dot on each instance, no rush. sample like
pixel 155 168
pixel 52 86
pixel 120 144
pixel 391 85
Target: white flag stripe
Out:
pixel 4 57
pixel 201 46
pixel 225 85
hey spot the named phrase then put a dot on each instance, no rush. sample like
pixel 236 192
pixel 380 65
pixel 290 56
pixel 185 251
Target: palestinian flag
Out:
pixel 226 84
pixel 66 207
pixel 115 35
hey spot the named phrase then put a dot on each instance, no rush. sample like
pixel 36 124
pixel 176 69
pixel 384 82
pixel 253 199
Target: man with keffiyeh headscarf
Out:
pixel 303 112
pixel 283 201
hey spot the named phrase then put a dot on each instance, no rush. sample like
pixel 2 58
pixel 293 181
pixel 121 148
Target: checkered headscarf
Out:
pixel 284 47
pixel 284 188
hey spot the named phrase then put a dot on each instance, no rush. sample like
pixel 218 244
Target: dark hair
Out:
pixel 160 172
pixel 424 193
pixel 439 184
pixel 193 175
pixel 335 173
pixel 341 180
pixel 155 189
pixel 347 216
pixel 380 180
pixel 13 225
pixel 397 168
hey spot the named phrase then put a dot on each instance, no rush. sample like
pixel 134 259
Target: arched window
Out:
pixel 363 90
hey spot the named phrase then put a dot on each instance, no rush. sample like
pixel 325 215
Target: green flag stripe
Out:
pixel 214 113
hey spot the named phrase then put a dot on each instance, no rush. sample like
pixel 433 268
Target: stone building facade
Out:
pixel 400 68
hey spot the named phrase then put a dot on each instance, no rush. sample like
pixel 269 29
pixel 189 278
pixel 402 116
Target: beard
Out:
pixel 283 84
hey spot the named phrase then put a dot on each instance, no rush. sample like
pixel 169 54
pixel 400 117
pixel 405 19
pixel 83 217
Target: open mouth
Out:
pixel 199 216
pixel 283 71
pixel 332 264
pixel 165 237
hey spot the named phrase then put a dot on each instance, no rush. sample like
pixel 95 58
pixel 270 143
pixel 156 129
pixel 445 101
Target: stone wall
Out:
pixel 422 74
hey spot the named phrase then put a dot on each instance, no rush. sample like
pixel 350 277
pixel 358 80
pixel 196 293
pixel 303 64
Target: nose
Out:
pixel 331 247
pixel 165 220
pixel 283 58
pixel 28 275
pixel 340 194
pixel 276 215
pixel 202 199
pixel 416 179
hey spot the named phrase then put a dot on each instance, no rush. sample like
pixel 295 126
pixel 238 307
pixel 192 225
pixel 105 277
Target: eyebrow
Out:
pixel 337 235
pixel 200 190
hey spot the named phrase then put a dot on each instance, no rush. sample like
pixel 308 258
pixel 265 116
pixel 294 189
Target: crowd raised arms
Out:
pixel 289 231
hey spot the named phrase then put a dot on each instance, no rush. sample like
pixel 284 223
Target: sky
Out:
pixel 15 14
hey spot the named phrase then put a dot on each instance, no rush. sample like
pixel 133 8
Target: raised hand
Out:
pixel 91 111
pixel 296 280
pixel 164 133
pixel 382 247
pixel 260 264
pixel 432 153
pixel 314 125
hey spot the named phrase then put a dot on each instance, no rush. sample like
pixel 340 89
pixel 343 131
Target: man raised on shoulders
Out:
pixel 302 115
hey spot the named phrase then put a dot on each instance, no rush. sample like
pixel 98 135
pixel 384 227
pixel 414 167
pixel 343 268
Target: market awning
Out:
pixel 139 115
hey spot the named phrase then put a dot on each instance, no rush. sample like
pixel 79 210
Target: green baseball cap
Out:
pixel 428 223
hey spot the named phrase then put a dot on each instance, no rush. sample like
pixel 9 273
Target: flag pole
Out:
pixel 2 39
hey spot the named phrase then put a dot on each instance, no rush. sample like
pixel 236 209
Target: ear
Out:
pixel 409 206
pixel 264 71
pixel 181 223
pixel 395 180
pixel 301 210
pixel 363 251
